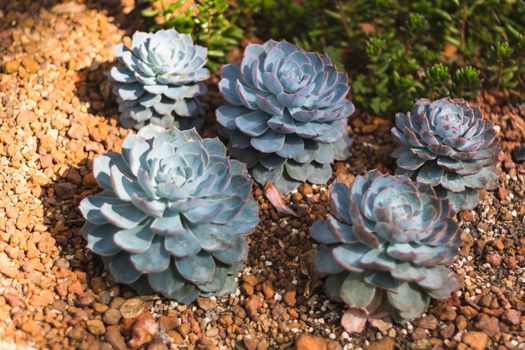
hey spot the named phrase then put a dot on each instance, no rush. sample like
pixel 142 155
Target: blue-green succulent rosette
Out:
pixel 386 245
pixel 448 144
pixel 159 80
pixel 286 114
pixel 172 216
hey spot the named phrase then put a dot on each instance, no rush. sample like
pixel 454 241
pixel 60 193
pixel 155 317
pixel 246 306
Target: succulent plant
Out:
pixel 286 114
pixel 386 244
pixel 448 144
pixel 172 215
pixel 159 80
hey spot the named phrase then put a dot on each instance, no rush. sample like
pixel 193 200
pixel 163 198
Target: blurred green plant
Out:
pixel 211 22
pixel 438 82
pixel 396 51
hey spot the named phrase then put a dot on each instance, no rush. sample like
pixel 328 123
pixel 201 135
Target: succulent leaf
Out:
pixel 389 236
pixel 173 214
pixel 288 107
pixel 159 80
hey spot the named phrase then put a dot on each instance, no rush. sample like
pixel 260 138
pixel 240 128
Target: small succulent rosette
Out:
pixel 286 114
pixel 172 216
pixel 159 79
pixel 448 144
pixel 386 245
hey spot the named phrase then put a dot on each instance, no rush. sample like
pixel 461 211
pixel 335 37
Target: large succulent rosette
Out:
pixel 172 215
pixel 386 245
pixel 159 80
pixel 286 114
pixel 448 144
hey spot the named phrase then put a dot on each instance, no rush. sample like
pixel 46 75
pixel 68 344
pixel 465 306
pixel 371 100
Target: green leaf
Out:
pixel 149 12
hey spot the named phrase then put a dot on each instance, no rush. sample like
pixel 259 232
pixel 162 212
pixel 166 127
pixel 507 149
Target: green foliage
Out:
pixel 465 83
pixel 396 51
pixel 211 22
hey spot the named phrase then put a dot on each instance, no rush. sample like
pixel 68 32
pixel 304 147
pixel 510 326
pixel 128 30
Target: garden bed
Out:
pixel 58 113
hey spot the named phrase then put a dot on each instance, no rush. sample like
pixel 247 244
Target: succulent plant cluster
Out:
pixel 172 215
pixel 159 80
pixel 386 245
pixel 448 144
pixel 286 114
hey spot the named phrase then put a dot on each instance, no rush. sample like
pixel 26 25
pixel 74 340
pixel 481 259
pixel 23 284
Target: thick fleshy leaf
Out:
pixel 155 259
pixel 348 256
pixel 124 216
pixel 236 253
pixel 182 244
pixel 355 292
pixel 134 240
pixel 383 280
pixel 268 142
pixel 377 259
pixel 199 268
pixel 90 207
pixel 332 285
pixel 121 269
pixel 167 282
pixel 100 240
pixel 321 233
pixel 217 284
pixel 168 225
pixel 408 300
pixel 325 262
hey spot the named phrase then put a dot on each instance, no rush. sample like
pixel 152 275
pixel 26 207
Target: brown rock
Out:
pixel 461 322
pixel 489 325
pixel 445 312
pixel 11 67
pixel 116 339
pixel 308 342
pixel 419 333
pixel 44 298
pixel 68 7
pixel 427 322
pixel 132 308
pixel 30 65
pixel 12 299
pixel 77 131
pixel 253 304
pixel 206 303
pixel 143 330
pixel 385 343
pixel 267 289
pixel 100 308
pixel 176 337
pixel 511 317
pixel 494 259
pixel 157 345
pixel 246 289
pixel 468 311
pixel 96 327
pixel 467 215
pixel 250 279
pixel 290 297
pixel 5 266
pixel 65 190
pixel 476 340
pixel 168 322
pixel 448 331
pixel 226 319
pixel 250 342
pixel 111 316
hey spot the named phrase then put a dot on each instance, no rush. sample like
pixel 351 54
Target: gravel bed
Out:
pixel 57 114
